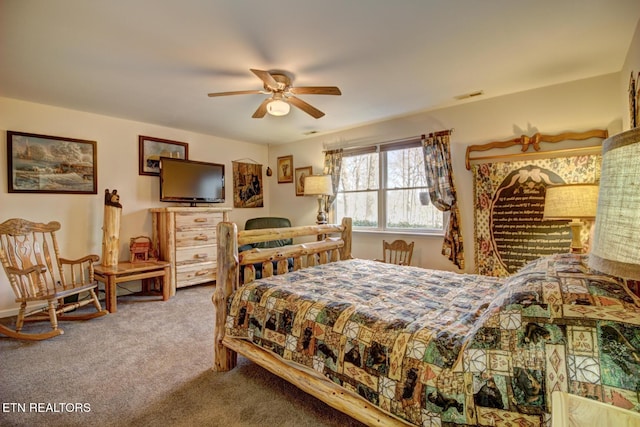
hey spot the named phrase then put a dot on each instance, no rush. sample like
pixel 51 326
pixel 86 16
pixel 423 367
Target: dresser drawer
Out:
pixel 194 255
pixel 192 275
pixel 186 237
pixel 195 237
pixel 188 220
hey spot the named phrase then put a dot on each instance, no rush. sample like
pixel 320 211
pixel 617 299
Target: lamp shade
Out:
pixel 318 185
pixel 278 108
pixel 616 245
pixel 571 201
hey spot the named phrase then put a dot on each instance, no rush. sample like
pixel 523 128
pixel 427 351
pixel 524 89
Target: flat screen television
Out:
pixel 189 181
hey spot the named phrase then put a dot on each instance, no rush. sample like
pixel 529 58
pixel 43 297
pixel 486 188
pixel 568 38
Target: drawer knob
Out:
pixel 200 220
pixel 201 256
pixel 201 273
pixel 202 237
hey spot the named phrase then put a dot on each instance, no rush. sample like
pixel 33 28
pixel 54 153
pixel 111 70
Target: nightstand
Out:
pixel 129 271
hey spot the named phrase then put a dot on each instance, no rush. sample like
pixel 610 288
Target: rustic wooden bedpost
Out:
pixel 346 237
pixel 111 228
pixel 226 282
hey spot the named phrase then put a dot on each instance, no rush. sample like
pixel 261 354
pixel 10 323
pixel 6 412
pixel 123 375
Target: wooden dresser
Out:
pixel 186 237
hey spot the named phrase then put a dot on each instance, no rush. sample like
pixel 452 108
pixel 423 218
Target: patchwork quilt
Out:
pixel 437 348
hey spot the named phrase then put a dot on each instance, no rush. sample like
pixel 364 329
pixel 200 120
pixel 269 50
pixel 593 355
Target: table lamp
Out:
pixel 616 246
pixel 573 202
pixel 321 186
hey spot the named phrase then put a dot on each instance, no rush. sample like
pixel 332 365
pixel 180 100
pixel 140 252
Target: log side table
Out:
pixel 129 271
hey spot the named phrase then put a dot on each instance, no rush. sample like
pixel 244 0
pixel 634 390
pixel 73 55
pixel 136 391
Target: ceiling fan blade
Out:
pixel 266 77
pixel 307 108
pixel 315 90
pixel 237 92
pixel 262 109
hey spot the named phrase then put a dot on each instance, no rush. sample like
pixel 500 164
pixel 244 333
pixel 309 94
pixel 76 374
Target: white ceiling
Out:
pixel 155 60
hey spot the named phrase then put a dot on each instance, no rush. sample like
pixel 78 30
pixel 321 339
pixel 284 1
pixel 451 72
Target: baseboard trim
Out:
pixel 11 312
pixel 135 286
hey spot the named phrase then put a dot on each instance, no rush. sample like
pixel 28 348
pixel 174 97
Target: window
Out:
pixel 380 189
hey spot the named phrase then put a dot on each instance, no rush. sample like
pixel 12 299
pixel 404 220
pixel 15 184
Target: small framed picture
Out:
pixel 285 169
pixel 51 164
pixel 151 149
pixel 300 175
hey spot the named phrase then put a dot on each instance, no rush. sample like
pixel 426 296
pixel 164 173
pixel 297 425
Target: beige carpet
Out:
pixel 149 364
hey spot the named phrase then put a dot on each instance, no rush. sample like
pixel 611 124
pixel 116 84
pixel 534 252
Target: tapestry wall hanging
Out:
pixel 509 204
pixel 247 185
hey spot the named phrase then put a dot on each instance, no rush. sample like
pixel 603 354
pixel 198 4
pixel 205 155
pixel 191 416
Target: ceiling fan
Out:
pixel 282 95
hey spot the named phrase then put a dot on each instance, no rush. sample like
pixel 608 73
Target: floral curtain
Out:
pixel 333 166
pixel 442 191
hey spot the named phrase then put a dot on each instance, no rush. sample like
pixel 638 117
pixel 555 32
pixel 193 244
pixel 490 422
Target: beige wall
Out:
pixel 631 65
pixel 600 102
pixel 81 215
pixel 577 106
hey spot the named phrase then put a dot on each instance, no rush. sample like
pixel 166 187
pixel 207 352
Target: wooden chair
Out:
pixel 37 274
pixel 397 252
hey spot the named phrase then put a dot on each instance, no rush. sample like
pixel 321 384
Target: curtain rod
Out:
pixel 565 152
pixel 245 158
pixel 369 142
pixel 440 133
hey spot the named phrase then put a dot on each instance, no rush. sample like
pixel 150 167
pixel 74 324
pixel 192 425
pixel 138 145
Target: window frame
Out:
pixel 381 150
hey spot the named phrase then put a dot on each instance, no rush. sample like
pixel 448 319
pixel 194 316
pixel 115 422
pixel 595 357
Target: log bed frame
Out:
pixel 324 250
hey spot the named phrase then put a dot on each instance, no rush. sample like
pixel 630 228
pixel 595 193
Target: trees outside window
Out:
pixel 380 189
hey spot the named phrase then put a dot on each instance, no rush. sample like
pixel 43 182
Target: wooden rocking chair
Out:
pixel 37 274
pixel 397 252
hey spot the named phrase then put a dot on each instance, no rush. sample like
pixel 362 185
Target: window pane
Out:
pixel 404 210
pixel 392 204
pixel 405 168
pixel 359 172
pixel 362 207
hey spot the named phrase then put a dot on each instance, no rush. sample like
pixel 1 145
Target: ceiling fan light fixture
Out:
pixel 283 95
pixel 278 107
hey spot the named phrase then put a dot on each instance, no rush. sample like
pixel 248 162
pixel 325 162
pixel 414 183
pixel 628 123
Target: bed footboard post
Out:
pixel 346 237
pixel 226 282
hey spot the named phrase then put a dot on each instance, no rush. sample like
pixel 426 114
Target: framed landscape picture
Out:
pixel 51 164
pixel 151 149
